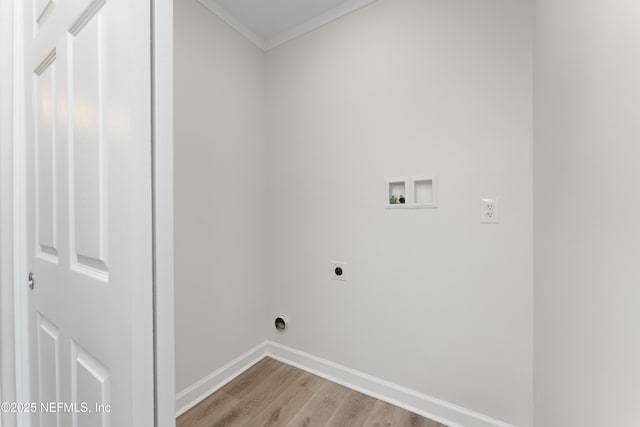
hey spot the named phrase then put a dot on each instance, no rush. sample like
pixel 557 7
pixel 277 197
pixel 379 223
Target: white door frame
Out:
pixel 162 117
pixel 12 218
pixel 7 368
pixel 14 364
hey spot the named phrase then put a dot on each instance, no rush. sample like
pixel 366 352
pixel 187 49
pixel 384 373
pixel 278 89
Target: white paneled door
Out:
pixel 88 156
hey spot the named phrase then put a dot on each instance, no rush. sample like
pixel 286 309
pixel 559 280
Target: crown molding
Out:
pixel 288 35
pixel 222 13
pixel 317 22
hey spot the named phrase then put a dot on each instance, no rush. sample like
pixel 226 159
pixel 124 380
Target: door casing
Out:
pixel 162 140
pixel 7 366
pixel 15 378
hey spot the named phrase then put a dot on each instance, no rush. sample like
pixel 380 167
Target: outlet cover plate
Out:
pixel 490 211
pixel 336 267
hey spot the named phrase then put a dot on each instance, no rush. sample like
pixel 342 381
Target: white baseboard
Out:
pixel 197 392
pixel 421 404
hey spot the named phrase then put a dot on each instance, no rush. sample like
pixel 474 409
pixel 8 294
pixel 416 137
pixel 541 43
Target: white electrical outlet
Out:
pixel 490 211
pixel 338 271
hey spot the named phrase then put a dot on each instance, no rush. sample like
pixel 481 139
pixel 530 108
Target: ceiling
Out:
pixel 269 23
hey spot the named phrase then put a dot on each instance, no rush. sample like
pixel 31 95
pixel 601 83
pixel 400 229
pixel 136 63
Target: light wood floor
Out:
pixel 274 394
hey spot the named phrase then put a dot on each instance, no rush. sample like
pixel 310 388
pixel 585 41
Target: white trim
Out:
pixel 413 401
pixel 7 338
pixel 162 58
pixel 288 35
pixel 14 356
pixel 317 22
pixel 231 20
pixel 197 392
pixel 20 292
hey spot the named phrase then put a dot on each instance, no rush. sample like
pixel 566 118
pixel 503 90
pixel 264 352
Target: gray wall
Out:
pixel 220 193
pixel 587 210
pixel 436 301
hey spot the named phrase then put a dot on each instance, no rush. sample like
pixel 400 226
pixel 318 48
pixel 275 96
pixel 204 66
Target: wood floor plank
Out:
pixel 320 407
pixel 353 410
pixel 214 417
pixel 383 415
pixel 312 382
pixel 273 394
pixel 288 403
pixel 386 415
pixel 259 397
pixel 410 419
pixel 283 408
pixel 252 376
pixel 204 414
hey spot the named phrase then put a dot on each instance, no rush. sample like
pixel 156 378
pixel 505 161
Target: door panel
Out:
pixel 87 144
pixel 89 203
pixel 90 383
pixel 49 367
pixel 45 135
